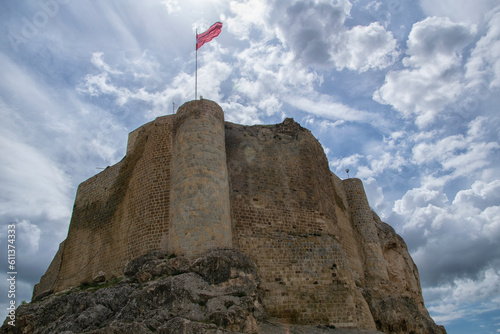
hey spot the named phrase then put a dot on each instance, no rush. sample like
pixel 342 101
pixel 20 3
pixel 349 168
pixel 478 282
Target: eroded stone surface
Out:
pixel 175 299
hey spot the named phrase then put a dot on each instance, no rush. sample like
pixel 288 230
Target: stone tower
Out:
pixel 362 218
pixel 200 217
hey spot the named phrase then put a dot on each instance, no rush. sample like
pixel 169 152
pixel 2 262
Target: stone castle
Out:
pixel 191 182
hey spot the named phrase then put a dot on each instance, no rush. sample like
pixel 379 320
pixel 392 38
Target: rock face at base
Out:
pixel 397 305
pixel 191 183
pixel 216 293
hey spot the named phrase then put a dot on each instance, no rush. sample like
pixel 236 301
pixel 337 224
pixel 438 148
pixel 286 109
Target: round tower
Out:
pixel 362 219
pixel 200 217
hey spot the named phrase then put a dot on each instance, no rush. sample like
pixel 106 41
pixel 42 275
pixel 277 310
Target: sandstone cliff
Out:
pixel 191 183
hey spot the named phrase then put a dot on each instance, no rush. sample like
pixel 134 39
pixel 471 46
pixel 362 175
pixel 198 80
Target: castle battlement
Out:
pixel 191 182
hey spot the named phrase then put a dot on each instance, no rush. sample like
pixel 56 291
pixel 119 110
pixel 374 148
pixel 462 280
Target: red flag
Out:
pixel 208 35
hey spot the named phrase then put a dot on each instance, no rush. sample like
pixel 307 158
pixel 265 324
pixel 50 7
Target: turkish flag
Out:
pixel 208 35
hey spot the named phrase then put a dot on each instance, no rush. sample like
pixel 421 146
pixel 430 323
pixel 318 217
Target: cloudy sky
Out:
pixel 404 93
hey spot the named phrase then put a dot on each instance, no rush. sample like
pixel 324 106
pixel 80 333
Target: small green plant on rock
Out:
pixel 97 286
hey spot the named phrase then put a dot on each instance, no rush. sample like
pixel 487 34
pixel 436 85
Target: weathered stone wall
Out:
pixel 49 279
pixel 362 220
pixel 350 239
pixel 96 202
pixel 124 211
pixel 200 210
pixel 146 211
pixel 284 211
pixel 121 212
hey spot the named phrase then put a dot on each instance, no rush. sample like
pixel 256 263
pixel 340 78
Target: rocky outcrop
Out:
pixel 397 304
pixel 216 293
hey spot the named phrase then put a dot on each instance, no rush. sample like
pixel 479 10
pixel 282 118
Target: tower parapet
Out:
pixel 200 217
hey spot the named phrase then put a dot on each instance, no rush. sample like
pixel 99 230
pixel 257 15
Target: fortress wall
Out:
pixel 274 182
pixel 49 279
pixel 200 208
pixel 362 220
pixel 132 137
pixel 307 280
pixel 121 212
pixel 148 198
pixel 284 218
pixel 97 200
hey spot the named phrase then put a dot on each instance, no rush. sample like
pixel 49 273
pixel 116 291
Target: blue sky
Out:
pixel 403 93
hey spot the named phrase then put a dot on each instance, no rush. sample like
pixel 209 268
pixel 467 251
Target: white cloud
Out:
pixel 98 62
pixel 326 106
pixel 265 68
pixel 49 142
pixel 462 155
pixel 419 199
pixel 454 238
pixel 315 33
pixel 365 48
pixel 479 192
pixel 310 28
pixel 379 162
pixel 210 76
pixel 325 124
pixel 445 313
pixel 143 70
pixel 383 161
pixel 464 297
pixel 433 79
pixel 270 71
pixel 375 195
pixel 29 235
pixel 458 10
pixel 439 38
pixel 240 113
pixel 483 67
pixel 247 14
pixel 453 233
pixel 270 104
pixel 110 81
pixel 95 85
pixel 347 162
pixel 28 179
pixel 31 181
pixel 171 5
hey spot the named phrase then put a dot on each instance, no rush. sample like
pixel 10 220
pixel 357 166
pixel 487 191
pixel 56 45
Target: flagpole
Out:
pixel 205 37
pixel 196 70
